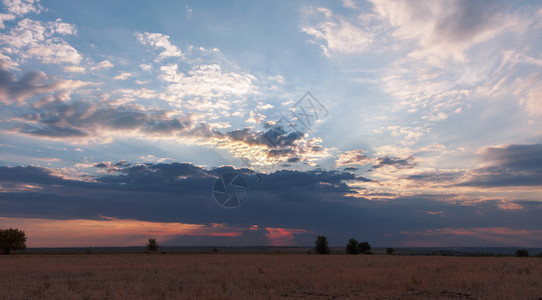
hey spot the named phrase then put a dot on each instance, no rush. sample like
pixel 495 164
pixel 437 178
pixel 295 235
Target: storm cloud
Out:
pixel 512 165
pixel 312 201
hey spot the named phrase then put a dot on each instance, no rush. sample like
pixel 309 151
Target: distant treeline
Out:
pixel 451 251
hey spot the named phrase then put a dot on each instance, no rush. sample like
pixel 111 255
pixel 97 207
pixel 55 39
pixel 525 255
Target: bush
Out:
pixel 522 253
pixel 352 247
pixel 152 245
pixel 389 251
pixel 12 240
pixel 321 245
pixel 364 248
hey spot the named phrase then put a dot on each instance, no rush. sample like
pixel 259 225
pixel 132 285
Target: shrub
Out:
pixel 365 248
pixel 152 245
pixel 321 245
pixel 12 240
pixel 522 253
pixel 389 251
pixel 352 247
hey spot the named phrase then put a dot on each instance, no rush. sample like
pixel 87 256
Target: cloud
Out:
pixel 123 76
pixel 105 64
pixel 55 115
pixel 349 4
pixel 159 41
pixel 32 174
pixel 36 39
pixel 510 165
pixel 282 236
pixel 398 163
pixel 353 157
pixel 442 61
pixel 290 206
pixel 168 182
pixel 437 177
pixel 205 81
pixel 146 67
pixel 58 119
pixel 74 69
pixel 5 17
pixel 338 34
pixel 279 143
pixel 529 94
pixel 111 232
pixel 443 28
pixel 22 7
pixel 31 85
pixel 255 118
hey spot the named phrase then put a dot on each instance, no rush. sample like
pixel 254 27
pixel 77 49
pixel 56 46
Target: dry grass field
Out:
pixel 267 276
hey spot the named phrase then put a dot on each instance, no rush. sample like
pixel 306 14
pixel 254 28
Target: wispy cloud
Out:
pixel 160 41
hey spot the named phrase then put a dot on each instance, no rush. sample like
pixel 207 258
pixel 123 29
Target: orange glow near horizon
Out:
pixel 282 236
pixel 108 232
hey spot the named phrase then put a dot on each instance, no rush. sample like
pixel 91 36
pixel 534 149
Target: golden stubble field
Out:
pixel 267 276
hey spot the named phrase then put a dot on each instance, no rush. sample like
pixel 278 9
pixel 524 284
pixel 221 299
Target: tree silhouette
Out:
pixel 321 246
pixel 365 248
pixel 389 251
pixel 522 253
pixel 152 245
pixel 352 247
pixel 12 239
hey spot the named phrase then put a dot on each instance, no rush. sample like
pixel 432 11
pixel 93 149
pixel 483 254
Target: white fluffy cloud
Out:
pixel 36 39
pixel 206 81
pixel 22 7
pixel 123 76
pixel 105 64
pixel 74 69
pixel 159 41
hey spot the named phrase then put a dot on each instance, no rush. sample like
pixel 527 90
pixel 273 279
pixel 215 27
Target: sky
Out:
pixel 402 123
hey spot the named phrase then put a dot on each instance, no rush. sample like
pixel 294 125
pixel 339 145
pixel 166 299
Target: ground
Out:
pixel 267 276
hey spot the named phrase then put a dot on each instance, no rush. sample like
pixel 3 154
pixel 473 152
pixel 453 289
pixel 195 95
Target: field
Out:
pixel 267 276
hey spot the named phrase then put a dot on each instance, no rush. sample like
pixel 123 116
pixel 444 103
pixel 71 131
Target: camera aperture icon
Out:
pixel 230 190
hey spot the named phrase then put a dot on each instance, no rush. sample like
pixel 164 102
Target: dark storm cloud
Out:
pixel 398 163
pixel 513 165
pixel 181 192
pixel 29 174
pixel 173 192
